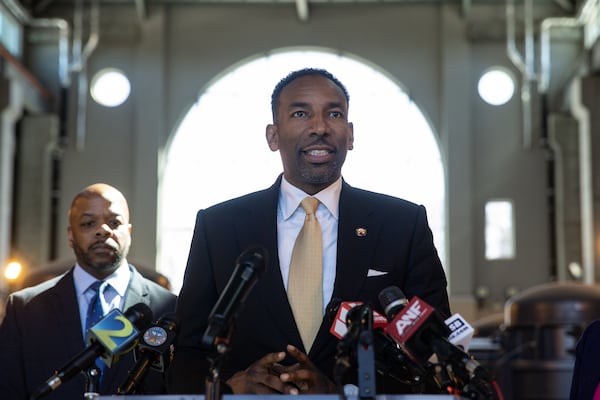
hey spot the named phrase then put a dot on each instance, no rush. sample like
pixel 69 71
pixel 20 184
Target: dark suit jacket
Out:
pixel 398 241
pixel 586 374
pixel 41 332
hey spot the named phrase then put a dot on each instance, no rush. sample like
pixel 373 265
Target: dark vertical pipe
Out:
pixel 56 187
pixel 550 186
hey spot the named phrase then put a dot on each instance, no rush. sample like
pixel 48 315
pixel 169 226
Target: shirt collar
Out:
pixel 118 280
pixel 290 197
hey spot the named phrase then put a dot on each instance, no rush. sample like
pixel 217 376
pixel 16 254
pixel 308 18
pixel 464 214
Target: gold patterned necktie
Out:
pixel 305 281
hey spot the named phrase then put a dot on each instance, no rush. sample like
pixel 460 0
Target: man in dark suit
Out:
pixel 369 241
pixel 44 326
pixel 585 383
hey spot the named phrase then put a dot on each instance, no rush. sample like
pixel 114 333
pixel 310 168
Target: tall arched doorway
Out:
pixel 219 151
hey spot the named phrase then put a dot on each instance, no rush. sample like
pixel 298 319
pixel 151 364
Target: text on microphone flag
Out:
pixel 339 328
pixel 411 318
pixel 115 332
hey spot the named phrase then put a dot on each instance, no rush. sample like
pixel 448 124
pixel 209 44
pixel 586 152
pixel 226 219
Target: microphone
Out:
pixel 339 328
pixel 332 309
pixel 392 299
pixel 249 266
pixel 150 352
pixel 390 360
pixel 115 334
pixel 415 325
pixel 461 332
pixel 418 328
pixel 357 346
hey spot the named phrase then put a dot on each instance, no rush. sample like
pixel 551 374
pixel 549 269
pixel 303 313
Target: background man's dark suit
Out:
pixel 398 243
pixel 43 332
pixel 586 374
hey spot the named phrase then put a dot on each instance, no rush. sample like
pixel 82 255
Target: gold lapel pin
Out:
pixel 361 232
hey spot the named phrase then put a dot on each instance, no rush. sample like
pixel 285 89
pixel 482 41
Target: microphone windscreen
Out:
pixel 140 315
pixel 392 299
pixel 255 257
pixel 117 333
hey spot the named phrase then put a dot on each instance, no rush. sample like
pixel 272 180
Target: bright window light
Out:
pixel 496 86
pixel 110 87
pixel 499 230
pixel 221 146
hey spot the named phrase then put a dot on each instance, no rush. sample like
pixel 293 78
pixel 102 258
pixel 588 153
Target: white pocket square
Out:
pixel 374 272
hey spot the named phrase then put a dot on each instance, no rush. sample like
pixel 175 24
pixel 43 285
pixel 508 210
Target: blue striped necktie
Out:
pixel 95 310
pixel 95 313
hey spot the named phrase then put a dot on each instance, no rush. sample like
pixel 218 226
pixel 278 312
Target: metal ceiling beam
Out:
pixel 140 7
pixel 302 10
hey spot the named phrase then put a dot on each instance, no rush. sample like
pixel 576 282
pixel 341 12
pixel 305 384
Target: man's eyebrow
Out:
pixel 87 214
pixel 92 215
pixel 333 104
pixel 298 104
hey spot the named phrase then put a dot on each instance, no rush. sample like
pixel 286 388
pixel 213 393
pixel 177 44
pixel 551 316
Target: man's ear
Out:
pixel 351 138
pixel 272 135
pixel 70 236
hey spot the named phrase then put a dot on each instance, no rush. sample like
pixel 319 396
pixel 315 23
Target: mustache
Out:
pixel 102 244
pixel 320 141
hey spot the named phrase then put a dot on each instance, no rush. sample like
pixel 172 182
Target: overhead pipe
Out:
pixel 527 68
pixel 302 10
pixel 547 25
pixel 61 25
pixel 79 65
pixel 525 65
pixel 54 148
pixel 582 115
pixel 65 68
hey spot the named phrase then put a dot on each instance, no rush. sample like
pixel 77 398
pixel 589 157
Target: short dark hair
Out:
pixel 298 74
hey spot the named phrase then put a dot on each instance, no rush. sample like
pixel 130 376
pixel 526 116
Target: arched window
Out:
pixel 220 150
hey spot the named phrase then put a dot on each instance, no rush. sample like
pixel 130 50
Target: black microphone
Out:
pixel 419 329
pixel 358 320
pixel 150 352
pixel 390 360
pixel 114 335
pixel 414 325
pixel 392 299
pixel 249 266
pixel 359 336
pixel 331 309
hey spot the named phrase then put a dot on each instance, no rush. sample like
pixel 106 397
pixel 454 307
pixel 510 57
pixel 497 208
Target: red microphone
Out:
pixel 421 332
pixel 339 327
pixel 390 360
pixel 418 328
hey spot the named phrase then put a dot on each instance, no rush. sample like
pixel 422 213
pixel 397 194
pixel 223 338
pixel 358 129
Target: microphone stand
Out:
pixel 216 357
pixel 92 382
pixel 366 359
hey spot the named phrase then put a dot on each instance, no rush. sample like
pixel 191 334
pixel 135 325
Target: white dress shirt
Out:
pixel 290 218
pixel 114 294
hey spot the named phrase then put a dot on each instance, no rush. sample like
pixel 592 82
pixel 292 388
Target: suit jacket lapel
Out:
pixel 67 314
pixel 64 309
pixel 136 292
pixel 258 225
pixel 357 233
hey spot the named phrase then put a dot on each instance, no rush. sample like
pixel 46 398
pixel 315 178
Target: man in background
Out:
pixel 45 325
